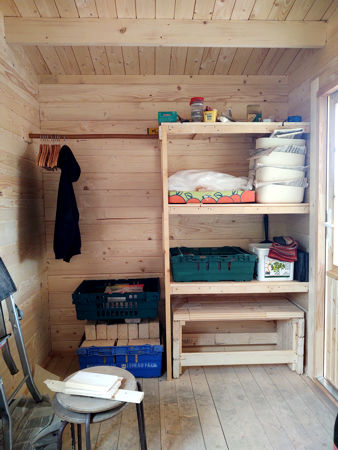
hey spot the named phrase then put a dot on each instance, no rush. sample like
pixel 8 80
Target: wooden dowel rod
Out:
pixel 93 136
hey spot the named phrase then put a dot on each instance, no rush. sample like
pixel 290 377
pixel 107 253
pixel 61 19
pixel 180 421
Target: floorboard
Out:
pixel 209 420
pixel 275 432
pixel 299 436
pixel 227 408
pixel 318 437
pixel 191 433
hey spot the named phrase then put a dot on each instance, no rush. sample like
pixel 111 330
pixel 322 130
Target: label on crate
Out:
pixel 139 365
pixel 276 269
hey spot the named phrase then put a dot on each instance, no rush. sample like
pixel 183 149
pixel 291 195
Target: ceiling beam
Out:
pixel 165 32
pixel 235 80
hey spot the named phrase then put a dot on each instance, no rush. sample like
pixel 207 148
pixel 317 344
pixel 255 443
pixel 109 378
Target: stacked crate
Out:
pixel 125 331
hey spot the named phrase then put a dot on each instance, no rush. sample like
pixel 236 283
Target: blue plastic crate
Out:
pixel 144 361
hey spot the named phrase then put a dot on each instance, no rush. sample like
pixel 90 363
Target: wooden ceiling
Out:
pixel 100 60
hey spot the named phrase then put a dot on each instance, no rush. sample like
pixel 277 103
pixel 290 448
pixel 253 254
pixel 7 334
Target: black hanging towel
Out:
pixel 67 239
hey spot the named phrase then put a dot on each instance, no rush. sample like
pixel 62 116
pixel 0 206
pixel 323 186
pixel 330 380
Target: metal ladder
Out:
pixel 7 289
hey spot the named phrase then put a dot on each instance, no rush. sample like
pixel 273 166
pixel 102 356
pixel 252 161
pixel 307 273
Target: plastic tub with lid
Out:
pixel 289 152
pixel 282 159
pixel 271 142
pixel 197 109
pixel 278 193
pixel 268 173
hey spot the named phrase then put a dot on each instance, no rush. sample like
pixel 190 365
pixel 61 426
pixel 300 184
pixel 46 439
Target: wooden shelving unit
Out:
pixel 194 130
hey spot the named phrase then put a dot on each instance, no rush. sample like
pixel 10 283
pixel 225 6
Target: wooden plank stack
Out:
pixel 147 332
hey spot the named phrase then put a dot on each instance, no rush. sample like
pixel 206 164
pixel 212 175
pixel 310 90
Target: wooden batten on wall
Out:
pixel 119 193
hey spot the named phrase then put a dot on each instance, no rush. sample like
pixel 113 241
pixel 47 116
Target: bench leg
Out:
pixel 290 336
pixel 300 346
pixel 286 338
pixel 177 347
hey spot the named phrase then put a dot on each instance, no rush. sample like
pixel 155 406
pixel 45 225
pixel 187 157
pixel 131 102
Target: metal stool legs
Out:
pixel 64 423
pixel 141 429
pixel 141 422
pixel 87 428
pixel 72 433
pixel 79 437
pixel 60 433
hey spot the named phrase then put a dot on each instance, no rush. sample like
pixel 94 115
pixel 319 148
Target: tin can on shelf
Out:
pixel 197 109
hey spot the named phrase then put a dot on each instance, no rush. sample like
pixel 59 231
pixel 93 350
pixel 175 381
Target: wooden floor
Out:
pixel 242 407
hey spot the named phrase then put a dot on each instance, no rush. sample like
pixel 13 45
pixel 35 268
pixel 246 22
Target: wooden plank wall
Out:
pixel 311 64
pixel 119 191
pixel 22 230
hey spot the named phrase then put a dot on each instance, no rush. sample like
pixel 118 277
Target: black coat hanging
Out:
pixel 67 239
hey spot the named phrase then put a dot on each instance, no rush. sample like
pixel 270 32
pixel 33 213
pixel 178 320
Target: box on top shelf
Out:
pixel 117 299
pixel 166 116
pixel 211 197
pixel 212 264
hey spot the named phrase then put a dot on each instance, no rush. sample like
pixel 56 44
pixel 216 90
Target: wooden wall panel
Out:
pixel 22 229
pixel 310 64
pixel 119 192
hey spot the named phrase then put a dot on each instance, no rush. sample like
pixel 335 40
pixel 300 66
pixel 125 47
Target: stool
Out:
pixel 75 409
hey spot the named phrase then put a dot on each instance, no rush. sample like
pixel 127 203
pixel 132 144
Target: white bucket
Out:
pixel 277 193
pixel 269 269
pixel 278 157
pixel 267 173
pixel 277 142
pixel 282 159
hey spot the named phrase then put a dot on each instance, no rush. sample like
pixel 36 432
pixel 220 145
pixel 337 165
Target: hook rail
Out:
pixel 92 136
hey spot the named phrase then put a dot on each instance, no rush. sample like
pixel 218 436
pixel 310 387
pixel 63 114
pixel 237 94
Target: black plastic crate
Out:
pixel 92 303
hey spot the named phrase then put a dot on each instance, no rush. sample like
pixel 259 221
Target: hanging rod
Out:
pixel 92 136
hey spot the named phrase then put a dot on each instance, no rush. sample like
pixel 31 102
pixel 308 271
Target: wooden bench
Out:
pixel 288 337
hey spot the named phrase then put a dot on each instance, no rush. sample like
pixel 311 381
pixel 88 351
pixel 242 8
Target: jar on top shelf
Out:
pixel 197 109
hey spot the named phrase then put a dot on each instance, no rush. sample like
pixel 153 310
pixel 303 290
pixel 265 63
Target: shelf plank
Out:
pixel 202 309
pixel 240 208
pixel 237 287
pixel 236 358
pixel 230 127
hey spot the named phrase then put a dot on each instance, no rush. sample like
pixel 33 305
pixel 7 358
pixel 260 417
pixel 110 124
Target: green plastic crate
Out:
pixel 212 264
